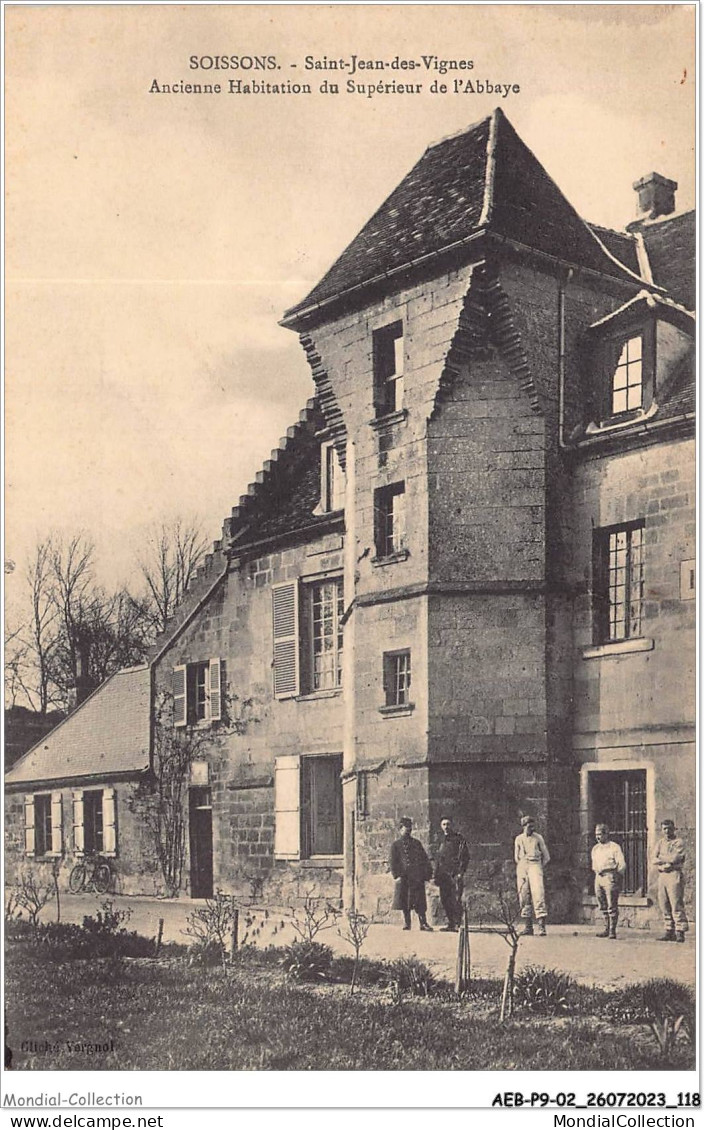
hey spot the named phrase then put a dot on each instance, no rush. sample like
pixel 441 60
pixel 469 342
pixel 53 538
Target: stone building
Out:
pixel 464 581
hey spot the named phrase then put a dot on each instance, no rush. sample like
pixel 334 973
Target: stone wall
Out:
pixel 134 865
pixel 235 625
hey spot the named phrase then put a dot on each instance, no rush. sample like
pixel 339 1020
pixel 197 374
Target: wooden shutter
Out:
pixel 57 828
pixel 78 841
pixel 29 825
pixel 214 690
pixel 109 832
pixel 399 505
pixel 286 648
pixel 287 805
pixel 178 686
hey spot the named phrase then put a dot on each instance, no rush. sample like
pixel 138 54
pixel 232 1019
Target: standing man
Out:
pixel 531 856
pixel 669 860
pixel 451 862
pixel 609 867
pixel 410 868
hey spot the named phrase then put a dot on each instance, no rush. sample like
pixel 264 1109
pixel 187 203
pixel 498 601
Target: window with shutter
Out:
pixel 197 692
pixel 179 695
pixel 215 700
pixel 57 829
pixel 29 825
pixel 109 822
pixel 285 621
pixel 287 806
pixel 78 837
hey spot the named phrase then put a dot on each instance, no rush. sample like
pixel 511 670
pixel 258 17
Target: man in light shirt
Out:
pixel 669 860
pixel 531 855
pixel 609 867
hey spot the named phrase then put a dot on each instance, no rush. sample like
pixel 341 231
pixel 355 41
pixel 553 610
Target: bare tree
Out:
pixel 501 905
pixel 167 566
pixel 36 649
pixel 75 633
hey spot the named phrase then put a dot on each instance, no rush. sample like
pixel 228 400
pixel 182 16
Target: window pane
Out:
pixel 634 347
pixel 620 402
pixel 326 608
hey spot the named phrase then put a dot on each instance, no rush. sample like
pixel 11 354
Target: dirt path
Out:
pixel 635 956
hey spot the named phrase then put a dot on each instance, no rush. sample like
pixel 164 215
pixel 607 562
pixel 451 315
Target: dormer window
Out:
pixel 627 387
pixel 332 479
pixel 623 375
pixel 388 369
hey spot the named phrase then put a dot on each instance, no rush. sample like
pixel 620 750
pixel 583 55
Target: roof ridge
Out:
pixel 488 205
pixel 461 132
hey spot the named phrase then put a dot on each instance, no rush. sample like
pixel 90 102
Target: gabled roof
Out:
pixel 107 734
pixel 670 244
pixel 644 302
pixel 484 179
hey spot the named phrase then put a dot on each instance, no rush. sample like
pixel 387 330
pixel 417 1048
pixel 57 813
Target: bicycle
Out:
pixel 93 872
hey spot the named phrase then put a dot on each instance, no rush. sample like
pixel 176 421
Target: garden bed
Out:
pixel 128 1009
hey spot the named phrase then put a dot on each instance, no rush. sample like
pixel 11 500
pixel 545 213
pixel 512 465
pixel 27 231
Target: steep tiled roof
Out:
pixel 107 734
pixel 485 178
pixel 670 244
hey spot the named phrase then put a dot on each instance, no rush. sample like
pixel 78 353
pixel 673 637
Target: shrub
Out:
pixel 66 941
pixel 307 961
pixel 543 991
pixel 108 920
pixel 653 1000
pixel 30 895
pixel 409 975
pixel 211 925
pixel 313 916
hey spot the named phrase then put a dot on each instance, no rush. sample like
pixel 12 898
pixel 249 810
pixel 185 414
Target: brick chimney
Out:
pixel 656 196
pixel 83 685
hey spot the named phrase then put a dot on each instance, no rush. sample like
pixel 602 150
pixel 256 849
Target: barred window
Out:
pixel 618 583
pixel 619 800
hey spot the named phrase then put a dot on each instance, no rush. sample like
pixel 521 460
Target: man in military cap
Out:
pixel 410 868
pixel 451 862
pixel 531 856
pixel 669 859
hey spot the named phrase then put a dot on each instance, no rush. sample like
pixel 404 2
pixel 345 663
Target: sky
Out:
pixel 154 240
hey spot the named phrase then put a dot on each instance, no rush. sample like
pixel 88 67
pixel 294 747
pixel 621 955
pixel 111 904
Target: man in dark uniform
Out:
pixel 451 862
pixel 410 868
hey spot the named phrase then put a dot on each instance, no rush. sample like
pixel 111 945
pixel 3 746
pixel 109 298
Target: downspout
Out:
pixel 562 445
